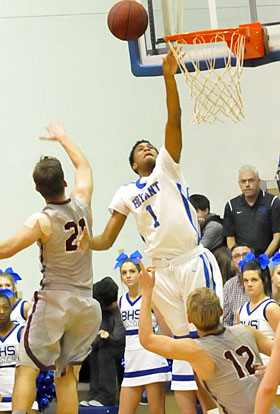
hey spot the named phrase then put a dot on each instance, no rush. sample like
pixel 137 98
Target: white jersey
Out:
pixel 17 314
pixel 141 366
pixel 257 317
pixel 130 313
pixel 166 221
pixel 8 357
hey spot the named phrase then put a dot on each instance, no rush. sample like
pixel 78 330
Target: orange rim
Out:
pixel 252 32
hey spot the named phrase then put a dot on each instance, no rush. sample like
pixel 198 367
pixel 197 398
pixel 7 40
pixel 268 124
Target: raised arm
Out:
pixel 268 387
pixel 83 178
pixel 184 349
pixel 160 344
pixel 173 132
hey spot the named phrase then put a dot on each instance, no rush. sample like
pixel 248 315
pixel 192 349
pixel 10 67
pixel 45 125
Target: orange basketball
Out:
pixel 127 20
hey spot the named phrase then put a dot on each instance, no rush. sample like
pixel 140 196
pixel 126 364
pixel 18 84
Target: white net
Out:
pixel 216 93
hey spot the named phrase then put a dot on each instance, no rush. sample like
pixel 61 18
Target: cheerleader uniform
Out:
pixel 8 356
pixel 257 319
pixel 17 314
pixel 141 366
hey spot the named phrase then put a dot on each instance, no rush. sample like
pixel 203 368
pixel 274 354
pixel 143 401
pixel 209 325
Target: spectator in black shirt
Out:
pixel 253 217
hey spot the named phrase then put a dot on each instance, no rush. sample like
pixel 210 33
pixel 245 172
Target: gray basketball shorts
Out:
pixel 59 330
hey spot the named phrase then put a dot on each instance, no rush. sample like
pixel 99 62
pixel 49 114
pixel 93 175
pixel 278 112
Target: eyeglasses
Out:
pixel 239 255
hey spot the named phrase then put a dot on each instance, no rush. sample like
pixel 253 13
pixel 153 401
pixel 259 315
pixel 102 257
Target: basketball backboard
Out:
pixel 178 16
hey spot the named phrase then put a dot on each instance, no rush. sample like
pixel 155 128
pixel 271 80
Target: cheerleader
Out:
pixel 143 369
pixel 10 333
pixel 275 277
pixel 8 280
pixel 261 312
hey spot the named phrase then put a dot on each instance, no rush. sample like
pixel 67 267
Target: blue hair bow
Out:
pixel 275 259
pixel 263 260
pixel 122 257
pixel 15 275
pixel 7 292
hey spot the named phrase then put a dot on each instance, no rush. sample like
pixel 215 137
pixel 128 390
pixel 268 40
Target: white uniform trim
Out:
pixel 257 319
pixel 8 355
pixel 166 220
pixel 17 314
pixel 44 222
pixel 141 366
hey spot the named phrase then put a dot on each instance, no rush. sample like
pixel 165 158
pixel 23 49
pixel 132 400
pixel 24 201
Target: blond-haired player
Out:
pixel 224 359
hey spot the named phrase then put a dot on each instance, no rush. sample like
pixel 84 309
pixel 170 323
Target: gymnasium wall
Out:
pixel 59 61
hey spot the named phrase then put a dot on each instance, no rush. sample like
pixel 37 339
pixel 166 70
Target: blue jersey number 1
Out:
pixel 150 210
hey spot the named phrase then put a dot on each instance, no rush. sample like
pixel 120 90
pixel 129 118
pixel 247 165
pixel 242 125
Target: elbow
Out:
pixel 145 342
pixel 268 389
pixel 107 244
pixel 6 252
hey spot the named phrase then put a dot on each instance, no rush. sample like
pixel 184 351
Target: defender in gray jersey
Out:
pixel 65 318
pixel 224 359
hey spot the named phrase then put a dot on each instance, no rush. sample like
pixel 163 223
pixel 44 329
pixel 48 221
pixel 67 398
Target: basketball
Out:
pixel 127 20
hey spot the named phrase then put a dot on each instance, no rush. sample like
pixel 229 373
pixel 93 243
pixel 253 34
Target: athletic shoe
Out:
pixel 94 403
pixel 144 399
pixel 84 403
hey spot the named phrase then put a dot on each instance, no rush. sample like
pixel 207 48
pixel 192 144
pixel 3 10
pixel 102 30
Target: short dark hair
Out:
pixel 49 177
pixel 242 245
pixel 200 202
pixel 264 274
pixel 105 291
pixel 131 155
pixel 2 295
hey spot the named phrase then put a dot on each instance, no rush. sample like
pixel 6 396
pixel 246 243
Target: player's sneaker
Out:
pixel 94 403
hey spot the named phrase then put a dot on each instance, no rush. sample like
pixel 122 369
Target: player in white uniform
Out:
pixel 224 359
pixel 8 280
pixel 166 220
pixel 10 333
pixel 55 336
pixel 142 368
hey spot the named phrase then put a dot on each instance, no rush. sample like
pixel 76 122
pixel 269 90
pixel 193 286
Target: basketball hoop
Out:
pixel 216 94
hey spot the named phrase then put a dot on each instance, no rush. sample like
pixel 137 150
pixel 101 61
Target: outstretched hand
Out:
pixel 55 130
pixel 147 277
pixel 169 64
pixel 83 240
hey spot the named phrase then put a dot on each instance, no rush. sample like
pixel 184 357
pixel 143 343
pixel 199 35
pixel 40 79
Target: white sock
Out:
pixel 19 412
